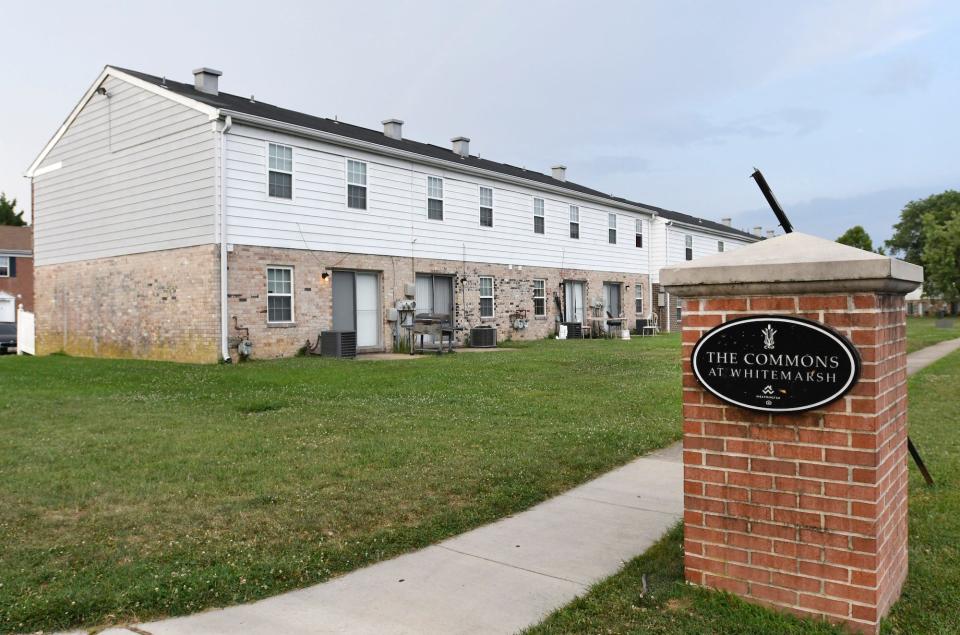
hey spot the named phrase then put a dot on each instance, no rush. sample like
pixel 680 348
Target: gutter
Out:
pixel 374 148
pixel 224 347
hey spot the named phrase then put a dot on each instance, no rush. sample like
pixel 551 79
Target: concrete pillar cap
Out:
pixel 791 263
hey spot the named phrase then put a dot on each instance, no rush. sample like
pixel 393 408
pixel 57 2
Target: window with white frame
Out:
pixel 688 247
pixel 279 294
pixel 486 207
pixel 486 297
pixel 538 216
pixel 356 184
pixel 574 221
pixel 612 229
pixel 679 310
pixel 720 246
pixel 280 173
pixel 638 232
pixel 4 266
pixel 539 298
pixel 434 198
pixel 638 298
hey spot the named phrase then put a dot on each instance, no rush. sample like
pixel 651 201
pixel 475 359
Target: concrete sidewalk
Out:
pixel 499 578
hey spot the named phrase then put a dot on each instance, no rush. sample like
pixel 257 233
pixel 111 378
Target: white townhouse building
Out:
pixel 173 221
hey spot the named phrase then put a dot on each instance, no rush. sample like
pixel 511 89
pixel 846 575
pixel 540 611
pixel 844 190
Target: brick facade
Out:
pixel 158 305
pixel 804 512
pixel 313 295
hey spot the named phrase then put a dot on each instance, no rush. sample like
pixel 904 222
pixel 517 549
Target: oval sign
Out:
pixel 775 363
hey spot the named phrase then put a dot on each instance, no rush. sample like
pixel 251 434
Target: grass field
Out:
pixel 930 603
pixel 139 489
pixel 922 332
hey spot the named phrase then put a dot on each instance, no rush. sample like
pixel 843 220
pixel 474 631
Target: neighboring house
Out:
pixel 172 220
pixel 16 271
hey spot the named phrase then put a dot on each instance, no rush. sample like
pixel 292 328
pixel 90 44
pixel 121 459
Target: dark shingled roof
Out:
pixel 284 115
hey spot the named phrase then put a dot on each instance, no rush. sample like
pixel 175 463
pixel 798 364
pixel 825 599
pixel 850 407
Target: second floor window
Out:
pixel 486 207
pixel 280 173
pixel 538 216
pixel 356 184
pixel 574 221
pixel 4 266
pixel 720 246
pixel 539 298
pixel 486 297
pixel 434 198
pixel 639 234
pixel 688 247
pixel 612 229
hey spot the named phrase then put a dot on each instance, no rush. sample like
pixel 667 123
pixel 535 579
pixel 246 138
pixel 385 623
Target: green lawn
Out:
pixel 139 489
pixel 931 599
pixel 922 332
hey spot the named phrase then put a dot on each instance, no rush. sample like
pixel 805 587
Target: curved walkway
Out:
pixel 499 578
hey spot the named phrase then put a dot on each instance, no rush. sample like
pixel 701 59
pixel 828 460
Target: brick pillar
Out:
pixel 804 512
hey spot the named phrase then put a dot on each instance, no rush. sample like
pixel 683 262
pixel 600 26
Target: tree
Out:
pixel 857 237
pixel 941 257
pixel 909 237
pixel 8 214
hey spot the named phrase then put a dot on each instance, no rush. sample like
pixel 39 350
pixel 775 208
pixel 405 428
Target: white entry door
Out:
pixel 368 310
pixel 8 308
pixel 574 301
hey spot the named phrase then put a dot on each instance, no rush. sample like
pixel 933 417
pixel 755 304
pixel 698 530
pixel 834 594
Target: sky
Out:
pixel 849 108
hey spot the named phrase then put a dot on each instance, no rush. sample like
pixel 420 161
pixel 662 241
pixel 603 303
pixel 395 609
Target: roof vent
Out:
pixel 393 128
pixel 559 172
pixel 770 233
pixel 727 221
pixel 461 145
pixel 205 80
pixel 758 231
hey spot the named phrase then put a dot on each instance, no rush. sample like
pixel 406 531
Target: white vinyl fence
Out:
pixel 26 332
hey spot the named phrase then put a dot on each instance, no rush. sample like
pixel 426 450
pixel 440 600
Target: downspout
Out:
pixel 666 259
pixel 224 347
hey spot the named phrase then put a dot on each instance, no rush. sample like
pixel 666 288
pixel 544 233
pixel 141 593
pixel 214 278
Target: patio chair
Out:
pixel 651 325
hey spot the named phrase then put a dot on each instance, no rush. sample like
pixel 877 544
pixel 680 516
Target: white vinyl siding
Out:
pixel 280 171
pixel 486 297
pixel 279 295
pixel 356 184
pixel 137 175
pixel 539 298
pixel 434 198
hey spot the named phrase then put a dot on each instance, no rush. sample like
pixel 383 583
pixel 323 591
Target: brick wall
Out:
pixel 804 512
pixel 159 305
pixel 513 291
pixel 20 285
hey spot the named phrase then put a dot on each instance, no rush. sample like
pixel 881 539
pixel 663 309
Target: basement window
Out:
pixel 434 198
pixel 279 295
pixel 356 184
pixel 486 297
pixel 280 174
pixel 612 229
pixel 539 298
pixel 688 247
pixel 638 232
pixel 574 221
pixel 538 216
pixel 486 207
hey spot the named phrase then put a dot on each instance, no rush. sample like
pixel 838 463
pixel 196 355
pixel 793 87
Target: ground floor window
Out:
pixel 539 298
pixel 486 297
pixel 279 294
pixel 679 310
pixel 638 299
